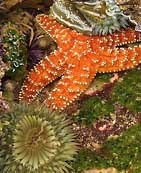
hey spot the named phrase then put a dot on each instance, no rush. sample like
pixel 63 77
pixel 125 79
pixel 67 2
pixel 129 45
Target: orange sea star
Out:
pixel 77 60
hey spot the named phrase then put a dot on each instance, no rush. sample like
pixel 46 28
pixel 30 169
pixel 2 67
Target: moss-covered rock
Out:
pixel 93 109
pixel 127 91
pixel 122 152
pixel 86 159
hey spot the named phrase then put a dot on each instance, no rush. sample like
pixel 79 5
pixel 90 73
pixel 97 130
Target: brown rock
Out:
pixel 109 170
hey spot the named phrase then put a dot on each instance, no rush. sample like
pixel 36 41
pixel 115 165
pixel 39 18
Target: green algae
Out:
pixel 127 91
pixel 122 152
pixel 87 159
pixel 93 109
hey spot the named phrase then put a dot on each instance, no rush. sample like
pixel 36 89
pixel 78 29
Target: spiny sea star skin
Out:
pixel 77 60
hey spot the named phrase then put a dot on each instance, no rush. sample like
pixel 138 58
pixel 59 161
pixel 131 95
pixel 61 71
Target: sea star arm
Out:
pixel 42 74
pixel 113 60
pixel 116 39
pixel 72 84
pixel 60 34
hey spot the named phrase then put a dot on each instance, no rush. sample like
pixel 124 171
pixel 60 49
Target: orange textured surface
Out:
pixel 77 60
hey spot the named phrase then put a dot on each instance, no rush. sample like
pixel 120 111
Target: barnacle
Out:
pixel 37 141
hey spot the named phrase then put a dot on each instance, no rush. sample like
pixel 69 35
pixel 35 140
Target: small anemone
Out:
pixel 38 145
pixel 38 141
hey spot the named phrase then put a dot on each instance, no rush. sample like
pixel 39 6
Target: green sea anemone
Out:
pixel 35 140
pixel 104 16
pixel 91 17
